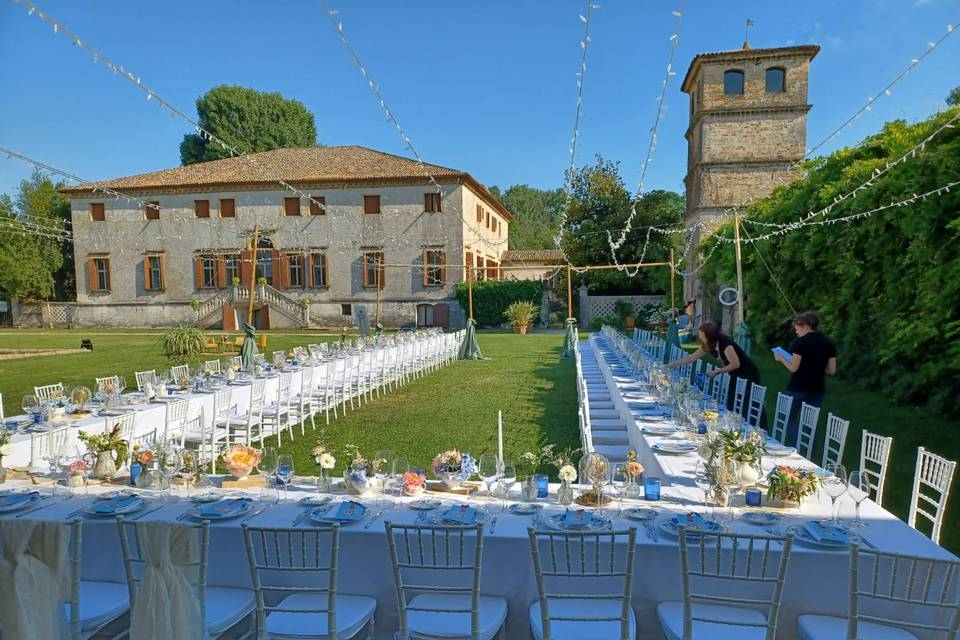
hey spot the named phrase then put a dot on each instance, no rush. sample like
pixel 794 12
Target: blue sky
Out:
pixel 487 87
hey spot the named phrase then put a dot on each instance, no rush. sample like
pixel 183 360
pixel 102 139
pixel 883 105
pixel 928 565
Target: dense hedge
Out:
pixel 886 286
pixel 492 297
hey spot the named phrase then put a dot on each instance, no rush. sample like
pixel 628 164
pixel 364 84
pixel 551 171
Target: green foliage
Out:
pixel 953 98
pixel 536 215
pixel 182 344
pixel 492 297
pixel 521 313
pixel 34 267
pixel 600 202
pixel 250 120
pixel 623 309
pixel 887 287
pixel 597 322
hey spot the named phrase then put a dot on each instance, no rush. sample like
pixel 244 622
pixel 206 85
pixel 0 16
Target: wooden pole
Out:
pixel 569 292
pixel 254 242
pixel 377 279
pixel 736 233
pixel 673 285
pixel 470 289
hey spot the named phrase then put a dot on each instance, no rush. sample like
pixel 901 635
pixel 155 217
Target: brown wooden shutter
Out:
pixel 97 212
pixel 326 271
pixel 441 315
pixel 371 204
pixel 163 272
pixel 201 208
pixel 246 266
pixel 364 261
pixel 382 270
pixel 152 213
pixel 228 208
pixel 308 280
pixel 277 270
pixel 479 213
pixel 221 267
pixel 291 206
pixel 92 283
pixel 317 209
pixel 426 266
pixel 198 272
pixel 147 275
pixel 106 265
pixel 443 267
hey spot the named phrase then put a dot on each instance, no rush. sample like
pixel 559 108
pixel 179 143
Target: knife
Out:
pixel 300 518
pixel 42 503
pixel 147 512
pixel 375 516
pixel 73 513
pixel 254 514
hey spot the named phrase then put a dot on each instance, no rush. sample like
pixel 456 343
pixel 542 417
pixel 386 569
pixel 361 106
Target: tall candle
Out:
pixel 500 437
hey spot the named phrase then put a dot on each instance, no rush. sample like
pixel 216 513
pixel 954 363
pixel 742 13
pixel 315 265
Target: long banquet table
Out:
pixel 816 580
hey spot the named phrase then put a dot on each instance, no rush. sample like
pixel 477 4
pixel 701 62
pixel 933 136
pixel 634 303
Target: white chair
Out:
pixel 94 605
pixel 739 394
pixel 782 416
pixel 891 597
pixel 180 372
pixel 279 558
pixel 758 393
pixel 50 391
pixel 236 361
pixel 48 446
pixel 874 456
pixel 722 383
pixel 278 357
pixel 212 366
pixel 248 424
pixel 276 413
pixel 584 582
pixel 102 383
pixel 807 429
pixel 221 609
pixel 2 419
pixel 931 483
pixel 303 406
pixel 175 417
pixel 727 594
pixel 835 440
pixel 222 409
pixel 441 565
pixel 203 437
pixel 143 377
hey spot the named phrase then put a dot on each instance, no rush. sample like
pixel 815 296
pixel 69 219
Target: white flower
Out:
pixel 567 473
pixel 6 449
pixel 327 461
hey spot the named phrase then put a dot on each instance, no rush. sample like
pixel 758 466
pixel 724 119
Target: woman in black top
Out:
pixel 735 361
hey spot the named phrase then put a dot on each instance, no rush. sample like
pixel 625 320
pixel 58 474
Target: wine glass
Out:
pixel 487 470
pixel 508 477
pixel 835 484
pixel 381 471
pixel 858 487
pixel 400 467
pixel 618 482
pixel 268 463
pixel 702 480
pixel 170 463
pixel 285 471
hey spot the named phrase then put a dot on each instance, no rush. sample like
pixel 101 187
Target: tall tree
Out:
pixel 250 120
pixel 536 215
pixel 34 266
pixel 600 202
pixel 953 98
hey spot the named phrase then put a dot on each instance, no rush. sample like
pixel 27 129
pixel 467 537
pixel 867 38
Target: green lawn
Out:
pixel 457 407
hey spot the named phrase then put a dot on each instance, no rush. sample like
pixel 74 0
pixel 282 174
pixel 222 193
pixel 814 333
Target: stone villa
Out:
pixel 190 258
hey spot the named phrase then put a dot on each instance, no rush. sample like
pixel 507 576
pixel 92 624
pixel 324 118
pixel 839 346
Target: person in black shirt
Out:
pixel 814 357
pixel 735 361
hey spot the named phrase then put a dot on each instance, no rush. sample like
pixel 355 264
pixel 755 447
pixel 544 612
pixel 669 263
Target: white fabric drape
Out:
pixel 166 605
pixel 34 579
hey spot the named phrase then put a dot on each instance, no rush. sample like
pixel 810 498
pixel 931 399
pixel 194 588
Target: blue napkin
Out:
pixel 350 512
pixel 222 508
pixel 577 518
pixel 461 514
pixel 690 520
pixel 823 531
pixel 13 499
pixel 114 505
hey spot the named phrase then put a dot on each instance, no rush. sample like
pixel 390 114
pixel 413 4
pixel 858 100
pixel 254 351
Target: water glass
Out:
pixel 508 477
pixel 488 469
pixel 858 487
pixel 835 484
pixel 284 472
pixel 651 489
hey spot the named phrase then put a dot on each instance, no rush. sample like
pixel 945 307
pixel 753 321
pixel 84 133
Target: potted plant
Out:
pixel 453 468
pixel 790 485
pixel 360 474
pixel 520 315
pixel 624 310
pixel 746 455
pixel 235 282
pixel 240 460
pixel 108 449
pixel 182 344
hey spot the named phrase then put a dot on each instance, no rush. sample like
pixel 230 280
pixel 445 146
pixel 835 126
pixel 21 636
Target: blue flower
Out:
pixel 358 476
pixel 468 467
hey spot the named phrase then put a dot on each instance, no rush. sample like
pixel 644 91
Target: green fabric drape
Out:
pixel 470 350
pixel 743 337
pixel 249 352
pixel 378 330
pixel 673 337
pixel 569 340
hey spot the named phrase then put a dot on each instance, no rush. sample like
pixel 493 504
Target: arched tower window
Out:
pixel 776 80
pixel 733 82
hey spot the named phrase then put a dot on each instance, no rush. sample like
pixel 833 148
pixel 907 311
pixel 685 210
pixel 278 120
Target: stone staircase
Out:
pixel 211 309
pixel 608 429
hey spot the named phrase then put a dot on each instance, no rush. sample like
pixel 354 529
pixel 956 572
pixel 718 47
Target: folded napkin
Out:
pixel 577 518
pixel 823 531
pixel 350 512
pixel 691 520
pixel 461 514
pixel 115 504
pixel 13 499
pixel 222 507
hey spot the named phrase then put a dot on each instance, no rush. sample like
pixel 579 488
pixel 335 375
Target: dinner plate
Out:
pixel 675 448
pixel 426 504
pixel 780 451
pixel 134 505
pixel 439 517
pixel 672 526
pixel 327 515
pixel 556 522
pixel 236 513
pixel 802 536
pixel 640 513
pixel 16 503
pixel 314 501
pixel 761 518
pixel 659 429
pixel 209 496
pixel 524 508
pixel 117 493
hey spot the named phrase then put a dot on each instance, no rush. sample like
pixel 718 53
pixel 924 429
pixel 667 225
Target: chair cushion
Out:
pixel 828 627
pixel 353 613
pixel 101 602
pixel 586 630
pixel 226 607
pixel 671 621
pixel 436 624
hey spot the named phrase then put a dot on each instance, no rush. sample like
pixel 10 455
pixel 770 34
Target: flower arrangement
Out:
pixel 322 455
pixel 80 396
pixel 747 450
pixel 454 465
pixel 143 455
pixel 593 469
pixel 78 467
pixel 6 448
pixel 632 466
pixel 530 461
pixel 791 484
pixel 106 441
pixel 564 463
pixel 414 483
pixel 360 471
pixel 240 460
pixel 567 473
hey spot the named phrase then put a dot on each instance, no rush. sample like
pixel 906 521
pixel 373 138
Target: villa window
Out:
pixel 733 83
pixel 776 80
pixel 153 279
pixel 434 267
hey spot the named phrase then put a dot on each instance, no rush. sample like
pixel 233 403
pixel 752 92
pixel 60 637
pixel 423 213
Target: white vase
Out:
pixel 450 480
pixel 748 475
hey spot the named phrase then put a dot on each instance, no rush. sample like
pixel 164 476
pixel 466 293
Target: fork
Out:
pixel 371 520
pixel 254 514
pixel 42 502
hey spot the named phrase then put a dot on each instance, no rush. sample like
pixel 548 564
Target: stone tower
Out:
pixel 748 123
